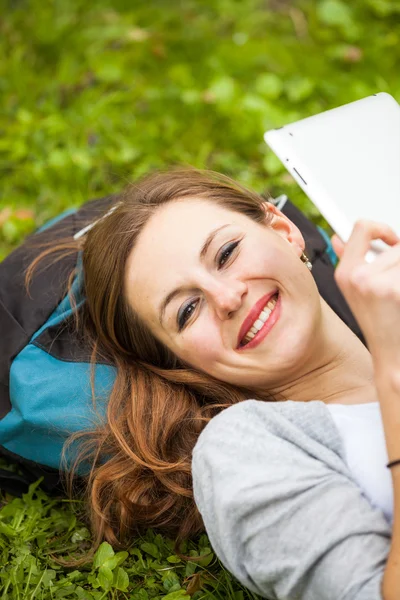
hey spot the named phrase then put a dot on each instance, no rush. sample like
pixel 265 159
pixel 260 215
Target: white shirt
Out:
pixel 361 429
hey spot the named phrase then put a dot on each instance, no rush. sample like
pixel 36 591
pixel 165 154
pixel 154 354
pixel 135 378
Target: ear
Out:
pixel 284 227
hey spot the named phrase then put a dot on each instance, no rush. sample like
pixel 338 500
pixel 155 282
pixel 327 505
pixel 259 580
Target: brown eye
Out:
pixel 225 253
pixel 185 313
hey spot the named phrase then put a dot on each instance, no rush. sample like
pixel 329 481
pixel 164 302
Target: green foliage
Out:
pixel 35 530
pixel 93 95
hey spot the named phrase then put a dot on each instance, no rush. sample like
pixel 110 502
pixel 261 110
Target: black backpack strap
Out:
pixel 21 315
pixel 323 270
pixel 28 471
pixel 17 483
pixel 13 483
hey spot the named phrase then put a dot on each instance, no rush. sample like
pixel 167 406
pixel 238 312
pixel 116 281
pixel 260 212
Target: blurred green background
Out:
pixel 94 94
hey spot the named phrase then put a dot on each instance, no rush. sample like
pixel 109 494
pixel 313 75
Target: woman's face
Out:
pixel 201 277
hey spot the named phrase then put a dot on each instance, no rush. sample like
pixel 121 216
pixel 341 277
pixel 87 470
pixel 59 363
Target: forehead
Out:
pixel 168 249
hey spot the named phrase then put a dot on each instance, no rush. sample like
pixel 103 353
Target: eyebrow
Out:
pixel 202 255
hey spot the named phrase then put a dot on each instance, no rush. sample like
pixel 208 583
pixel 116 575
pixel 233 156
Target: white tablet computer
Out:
pixel 347 161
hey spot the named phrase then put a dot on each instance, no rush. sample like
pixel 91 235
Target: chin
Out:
pixel 291 354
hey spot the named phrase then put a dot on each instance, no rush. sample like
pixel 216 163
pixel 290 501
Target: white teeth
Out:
pixel 263 317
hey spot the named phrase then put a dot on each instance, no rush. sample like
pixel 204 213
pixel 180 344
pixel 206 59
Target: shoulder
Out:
pixel 299 426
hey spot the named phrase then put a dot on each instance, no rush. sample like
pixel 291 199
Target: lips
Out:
pixel 253 315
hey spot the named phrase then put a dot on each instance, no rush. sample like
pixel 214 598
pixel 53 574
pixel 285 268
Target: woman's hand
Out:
pixel 372 290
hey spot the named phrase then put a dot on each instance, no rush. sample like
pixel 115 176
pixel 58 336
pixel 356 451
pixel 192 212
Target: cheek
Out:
pixel 276 259
pixel 201 346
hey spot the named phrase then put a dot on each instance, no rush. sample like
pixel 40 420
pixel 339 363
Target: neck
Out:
pixel 339 369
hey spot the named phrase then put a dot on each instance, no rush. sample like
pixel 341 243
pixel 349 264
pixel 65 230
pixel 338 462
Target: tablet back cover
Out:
pixel 347 160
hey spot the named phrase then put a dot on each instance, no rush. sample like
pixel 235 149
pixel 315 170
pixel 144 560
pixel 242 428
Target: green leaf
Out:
pixel 140 595
pixel 7 530
pixel 41 540
pixel 176 595
pixel 108 70
pixel 173 559
pixel 152 582
pixel 103 553
pixel 81 158
pixel 254 103
pixel 49 577
pixel 299 89
pixel 222 89
pixel 208 557
pixel 171 582
pixel 334 13
pixel 121 579
pixel 269 85
pixel 204 542
pixel 191 96
pixel 59 159
pixel 80 534
pixel 116 560
pixel 24 116
pixel 105 577
pixel 93 580
pixel 83 594
pixel 65 591
pixel 190 568
pixel 151 549
pixel 10 233
pixel 75 575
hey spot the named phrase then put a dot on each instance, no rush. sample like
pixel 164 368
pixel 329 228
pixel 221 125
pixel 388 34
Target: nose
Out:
pixel 226 297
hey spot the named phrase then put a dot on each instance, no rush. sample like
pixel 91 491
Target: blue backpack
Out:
pixel 45 390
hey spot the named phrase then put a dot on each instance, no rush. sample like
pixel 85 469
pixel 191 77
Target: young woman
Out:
pixel 200 292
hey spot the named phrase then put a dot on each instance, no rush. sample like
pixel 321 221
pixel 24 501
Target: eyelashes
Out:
pixel 222 259
pixel 184 314
pixel 225 253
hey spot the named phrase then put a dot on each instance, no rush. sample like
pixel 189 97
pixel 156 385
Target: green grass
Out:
pixel 93 95
pixel 35 530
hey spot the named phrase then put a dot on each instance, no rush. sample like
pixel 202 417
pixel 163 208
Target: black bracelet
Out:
pixel 393 463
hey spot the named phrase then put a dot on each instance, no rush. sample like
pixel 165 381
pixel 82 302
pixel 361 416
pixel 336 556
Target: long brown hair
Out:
pixel 141 457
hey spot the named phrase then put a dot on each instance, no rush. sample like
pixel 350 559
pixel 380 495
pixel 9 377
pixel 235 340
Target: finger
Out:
pixel 362 235
pixel 386 261
pixel 337 244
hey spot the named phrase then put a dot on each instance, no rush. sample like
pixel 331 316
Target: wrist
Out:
pixel 387 383
pixel 385 354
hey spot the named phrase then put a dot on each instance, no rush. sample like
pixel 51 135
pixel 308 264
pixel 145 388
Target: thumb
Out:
pixel 338 245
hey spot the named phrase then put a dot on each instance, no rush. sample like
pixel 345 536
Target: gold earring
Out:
pixel 304 258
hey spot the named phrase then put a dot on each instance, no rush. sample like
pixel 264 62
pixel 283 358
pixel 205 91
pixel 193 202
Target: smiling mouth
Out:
pixel 261 322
